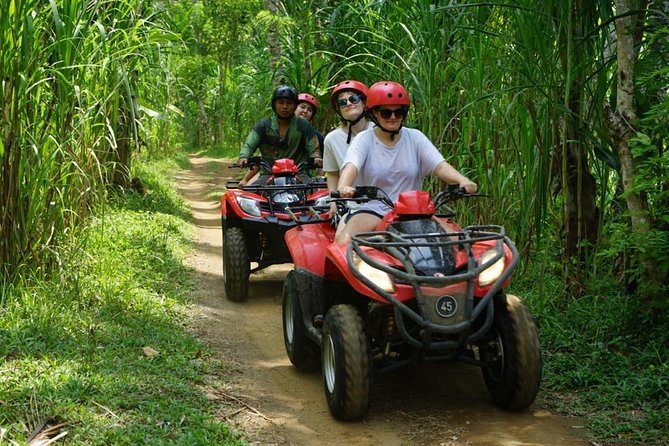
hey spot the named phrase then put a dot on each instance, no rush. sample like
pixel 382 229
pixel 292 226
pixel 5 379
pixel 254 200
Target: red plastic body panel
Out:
pixel 284 165
pixel 307 245
pixel 415 203
pixel 229 202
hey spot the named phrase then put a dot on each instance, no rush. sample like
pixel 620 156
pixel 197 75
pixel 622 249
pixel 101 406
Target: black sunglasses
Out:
pixel 386 113
pixel 353 99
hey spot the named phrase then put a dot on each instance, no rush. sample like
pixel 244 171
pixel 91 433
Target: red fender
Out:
pixel 307 245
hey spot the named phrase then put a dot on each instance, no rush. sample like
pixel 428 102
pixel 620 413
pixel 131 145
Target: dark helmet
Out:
pixel 387 93
pixel 283 92
pixel 349 85
pixel 309 99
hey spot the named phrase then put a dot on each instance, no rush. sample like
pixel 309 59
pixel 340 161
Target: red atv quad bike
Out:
pixel 255 217
pixel 418 288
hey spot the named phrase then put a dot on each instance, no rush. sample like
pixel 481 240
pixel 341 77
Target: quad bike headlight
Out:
pixel 489 275
pixel 379 278
pixel 249 206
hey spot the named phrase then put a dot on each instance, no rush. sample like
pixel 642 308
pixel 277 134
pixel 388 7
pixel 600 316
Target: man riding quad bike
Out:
pixel 255 217
pixel 417 288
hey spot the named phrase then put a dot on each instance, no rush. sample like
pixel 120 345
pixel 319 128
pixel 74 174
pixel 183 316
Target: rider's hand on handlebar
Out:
pixel 333 210
pixel 469 186
pixel 241 162
pixel 346 191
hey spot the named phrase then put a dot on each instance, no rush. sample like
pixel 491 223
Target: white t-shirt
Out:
pixel 393 169
pixel 335 147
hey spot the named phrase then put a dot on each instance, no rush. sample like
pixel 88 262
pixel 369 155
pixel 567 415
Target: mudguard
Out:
pixel 307 244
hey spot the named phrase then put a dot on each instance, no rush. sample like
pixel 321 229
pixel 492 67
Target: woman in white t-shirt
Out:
pixel 348 101
pixel 391 157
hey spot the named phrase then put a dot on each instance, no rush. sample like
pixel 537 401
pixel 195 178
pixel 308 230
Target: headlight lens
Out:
pixel 492 273
pixel 249 206
pixel 379 278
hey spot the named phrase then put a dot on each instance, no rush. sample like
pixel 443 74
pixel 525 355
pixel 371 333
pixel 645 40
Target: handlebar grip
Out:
pixel 335 194
pixel 453 188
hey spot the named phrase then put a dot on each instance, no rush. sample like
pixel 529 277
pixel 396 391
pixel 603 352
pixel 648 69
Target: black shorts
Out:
pixel 353 212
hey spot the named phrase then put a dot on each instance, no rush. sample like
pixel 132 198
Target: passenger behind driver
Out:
pixel 348 101
pixel 282 135
pixel 389 156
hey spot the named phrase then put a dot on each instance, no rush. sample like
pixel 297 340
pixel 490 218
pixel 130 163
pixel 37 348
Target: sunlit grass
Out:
pixel 73 346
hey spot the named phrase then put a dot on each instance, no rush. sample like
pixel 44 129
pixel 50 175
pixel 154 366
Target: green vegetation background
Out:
pixel 93 93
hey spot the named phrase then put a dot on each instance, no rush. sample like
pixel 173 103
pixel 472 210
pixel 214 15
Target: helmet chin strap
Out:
pixel 392 132
pixel 351 123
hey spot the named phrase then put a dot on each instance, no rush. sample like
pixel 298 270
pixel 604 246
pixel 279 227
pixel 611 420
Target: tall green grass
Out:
pixel 69 117
pixel 72 346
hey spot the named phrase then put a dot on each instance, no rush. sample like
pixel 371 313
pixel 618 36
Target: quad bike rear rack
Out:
pixel 399 245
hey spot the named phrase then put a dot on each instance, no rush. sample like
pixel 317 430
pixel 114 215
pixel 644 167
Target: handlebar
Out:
pixel 362 194
pixel 251 162
pixel 370 192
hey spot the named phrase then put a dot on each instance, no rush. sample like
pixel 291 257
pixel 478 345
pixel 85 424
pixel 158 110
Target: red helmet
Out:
pixel 309 99
pixel 349 85
pixel 387 93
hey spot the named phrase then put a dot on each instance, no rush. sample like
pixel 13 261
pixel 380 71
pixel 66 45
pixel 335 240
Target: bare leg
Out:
pixel 362 222
pixel 250 177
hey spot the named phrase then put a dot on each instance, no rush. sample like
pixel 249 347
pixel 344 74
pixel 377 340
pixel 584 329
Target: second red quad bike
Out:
pixel 418 288
pixel 255 218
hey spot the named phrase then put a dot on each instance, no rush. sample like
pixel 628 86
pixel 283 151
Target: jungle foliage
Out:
pixel 520 97
pixel 532 100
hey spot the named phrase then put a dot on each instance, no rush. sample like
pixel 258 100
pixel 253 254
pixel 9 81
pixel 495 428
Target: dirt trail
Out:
pixel 273 403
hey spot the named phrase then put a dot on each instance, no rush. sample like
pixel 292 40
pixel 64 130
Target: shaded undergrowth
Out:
pixel 605 357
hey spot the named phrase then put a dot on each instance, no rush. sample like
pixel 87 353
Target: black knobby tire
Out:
pixel 513 355
pixel 302 351
pixel 235 265
pixel 346 363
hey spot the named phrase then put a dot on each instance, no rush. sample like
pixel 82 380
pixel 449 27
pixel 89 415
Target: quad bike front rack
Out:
pixel 399 246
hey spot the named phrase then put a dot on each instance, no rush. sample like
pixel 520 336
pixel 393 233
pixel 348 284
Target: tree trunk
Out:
pixel 581 215
pixel 272 37
pixel 620 122
pixel 219 132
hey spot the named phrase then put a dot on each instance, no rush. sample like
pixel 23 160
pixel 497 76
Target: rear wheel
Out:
pixel 346 363
pixel 512 355
pixel 302 351
pixel 235 265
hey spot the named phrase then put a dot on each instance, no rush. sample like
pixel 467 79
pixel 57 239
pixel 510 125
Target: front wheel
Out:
pixel 302 351
pixel 512 355
pixel 346 363
pixel 235 265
